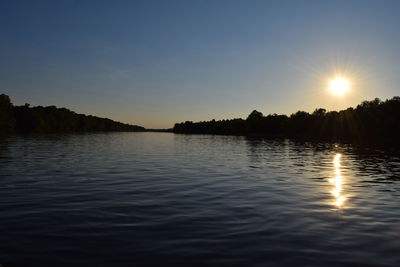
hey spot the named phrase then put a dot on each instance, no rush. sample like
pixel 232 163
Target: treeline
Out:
pixel 371 121
pixel 40 119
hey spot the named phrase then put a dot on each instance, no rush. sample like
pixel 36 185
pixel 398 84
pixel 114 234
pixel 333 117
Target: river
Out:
pixel 129 199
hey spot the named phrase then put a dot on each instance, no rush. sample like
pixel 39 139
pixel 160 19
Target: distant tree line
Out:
pixel 371 121
pixel 40 119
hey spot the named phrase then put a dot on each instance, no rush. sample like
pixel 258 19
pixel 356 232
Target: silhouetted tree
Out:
pixel 7 120
pixel 254 115
pixel 319 112
pixel 52 119
pixel 371 121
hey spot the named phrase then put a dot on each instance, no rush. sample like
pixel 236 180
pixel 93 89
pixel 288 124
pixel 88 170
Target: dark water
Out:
pixel 130 199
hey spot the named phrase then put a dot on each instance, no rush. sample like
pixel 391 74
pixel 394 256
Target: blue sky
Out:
pixel 154 63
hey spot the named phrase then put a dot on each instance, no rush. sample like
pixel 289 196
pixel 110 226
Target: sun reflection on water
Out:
pixel 337 182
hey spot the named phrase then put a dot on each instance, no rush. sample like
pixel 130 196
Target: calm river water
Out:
pixel 129 199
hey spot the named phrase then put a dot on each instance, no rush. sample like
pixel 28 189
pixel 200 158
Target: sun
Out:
pixel 339 86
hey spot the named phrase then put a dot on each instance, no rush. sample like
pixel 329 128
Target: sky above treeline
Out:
pixel 155 63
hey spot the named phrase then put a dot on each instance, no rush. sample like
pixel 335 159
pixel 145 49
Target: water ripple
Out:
pixel 162 199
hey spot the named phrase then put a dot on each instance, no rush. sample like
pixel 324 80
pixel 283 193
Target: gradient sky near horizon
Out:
pixel 154 63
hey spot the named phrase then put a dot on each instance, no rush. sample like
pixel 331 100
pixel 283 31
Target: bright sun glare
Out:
pixel 339 86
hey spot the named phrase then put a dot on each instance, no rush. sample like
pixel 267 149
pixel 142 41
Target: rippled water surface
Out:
pixel 128 199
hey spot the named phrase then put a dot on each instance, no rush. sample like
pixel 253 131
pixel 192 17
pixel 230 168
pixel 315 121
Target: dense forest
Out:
pixel 371 121
pixel 26 119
